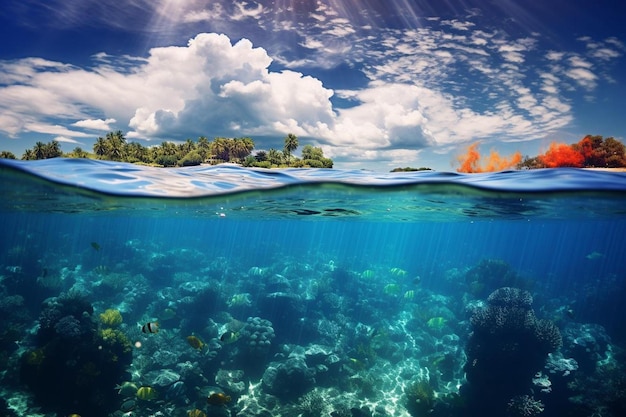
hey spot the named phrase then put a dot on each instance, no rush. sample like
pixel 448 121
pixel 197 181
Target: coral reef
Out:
pixel 490 274
pixel 508 346
pixel 75 367
pixel 111 318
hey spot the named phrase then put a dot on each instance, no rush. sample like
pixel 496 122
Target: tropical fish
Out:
pixel 256 271
pixel 218 398
pixel 95 245
pixel 398 272
pixel 127 389
pixel 229 337
pixel 150 327
pixel 195 342
pixel 417 280
pixel 409 295
pixel 436 323
pixel 367 274
pixel 101 270
pixel 391 289
pixel 355 364
pixel 128 406
pixel 74 415
pixel 146 393
pixel 196 413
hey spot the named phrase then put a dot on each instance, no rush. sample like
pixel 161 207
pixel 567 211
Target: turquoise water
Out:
pixel 346 292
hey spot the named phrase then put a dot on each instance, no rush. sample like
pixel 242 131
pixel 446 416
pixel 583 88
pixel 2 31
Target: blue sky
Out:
pixel 376 83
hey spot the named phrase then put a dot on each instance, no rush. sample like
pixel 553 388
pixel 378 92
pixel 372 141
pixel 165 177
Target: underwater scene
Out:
pixel 225 291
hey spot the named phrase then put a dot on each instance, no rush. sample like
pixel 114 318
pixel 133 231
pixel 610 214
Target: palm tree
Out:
pixel 221 148
pixel 186 147
pixel 29 155
pixel 291 144
pixel 204 147
pixel 241 148
pixel 274 156
pixel 53 150
pixel 39 150
pixel 136 152
pixel 78 152
pixel 100 148
pixel 116 145
pixel 7 155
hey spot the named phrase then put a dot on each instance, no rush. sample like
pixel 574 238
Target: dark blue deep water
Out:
pixel 222 291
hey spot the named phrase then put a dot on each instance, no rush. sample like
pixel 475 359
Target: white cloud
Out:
pixel 245 10
pixel 53 129
pixel 95 124
pixel 583 77
pixel 65 139
pixel 577 61
pixel 554 55
pixel 455 24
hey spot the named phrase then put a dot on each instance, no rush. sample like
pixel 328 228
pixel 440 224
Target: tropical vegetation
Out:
pixel 114 147
pixel 589 152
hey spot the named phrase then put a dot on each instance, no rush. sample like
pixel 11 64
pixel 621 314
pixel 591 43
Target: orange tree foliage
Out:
pixel 589 152
pixel 472 161
pixel 561 155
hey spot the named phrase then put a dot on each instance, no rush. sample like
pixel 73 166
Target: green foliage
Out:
pixel 114 147
pixel 43 151
pixel 250 161
pixel 191 159
pixel 78 152
pixel 166 160
pixel 291 144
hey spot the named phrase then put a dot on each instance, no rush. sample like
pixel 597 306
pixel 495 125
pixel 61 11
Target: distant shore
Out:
pixel 607 169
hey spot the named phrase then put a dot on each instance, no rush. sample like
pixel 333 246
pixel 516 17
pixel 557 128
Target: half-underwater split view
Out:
pixel 312 208
pixel 309 292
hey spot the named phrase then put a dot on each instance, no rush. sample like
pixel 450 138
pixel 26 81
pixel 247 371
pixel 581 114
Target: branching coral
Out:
pixel 508 345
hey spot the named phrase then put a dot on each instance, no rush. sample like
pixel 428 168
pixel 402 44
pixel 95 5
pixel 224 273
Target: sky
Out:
pixel 377 84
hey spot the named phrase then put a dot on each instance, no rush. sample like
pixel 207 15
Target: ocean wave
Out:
pixel 123 179
pixel 81 185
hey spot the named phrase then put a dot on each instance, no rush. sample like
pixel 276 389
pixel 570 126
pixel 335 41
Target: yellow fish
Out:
pixel 195 342
pixel 391 289
pixel 367 274
pixel 409 295
pixel 436 323
pixel 398 272
pixel 146 393
pixel 218 398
